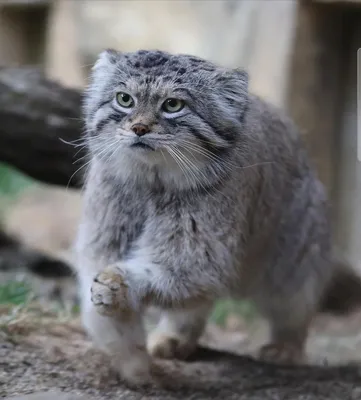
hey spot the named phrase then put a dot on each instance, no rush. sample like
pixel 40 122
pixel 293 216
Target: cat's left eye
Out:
pixel 125 100
pixel 171 106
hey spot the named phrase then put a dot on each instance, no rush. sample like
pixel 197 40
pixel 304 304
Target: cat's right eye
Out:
pixel 124 100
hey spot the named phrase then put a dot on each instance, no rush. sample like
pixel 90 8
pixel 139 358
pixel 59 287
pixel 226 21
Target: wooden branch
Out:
pixel 37 117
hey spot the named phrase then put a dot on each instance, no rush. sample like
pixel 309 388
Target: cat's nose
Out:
pixel 140 129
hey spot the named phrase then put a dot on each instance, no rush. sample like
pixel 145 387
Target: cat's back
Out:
pixel 271 145
pixel 270 123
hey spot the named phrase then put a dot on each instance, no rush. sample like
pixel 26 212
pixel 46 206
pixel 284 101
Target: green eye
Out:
pixel 125 100
pixel 172 105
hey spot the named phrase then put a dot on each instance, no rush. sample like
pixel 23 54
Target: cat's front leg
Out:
pixel 115 325
pixel 125 288
pixel 178 331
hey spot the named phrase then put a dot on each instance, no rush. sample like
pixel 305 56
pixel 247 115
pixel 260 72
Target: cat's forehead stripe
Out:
pixel 154 61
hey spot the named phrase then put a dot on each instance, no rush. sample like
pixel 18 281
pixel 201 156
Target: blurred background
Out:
pixel 301 56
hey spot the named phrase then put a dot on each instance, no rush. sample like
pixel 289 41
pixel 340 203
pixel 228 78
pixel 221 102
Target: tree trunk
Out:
pixel 38 118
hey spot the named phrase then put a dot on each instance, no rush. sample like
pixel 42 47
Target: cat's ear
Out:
pixel 234 83
pixel 100 76
pixel 103 67
pixel 242 78
pixel 105 59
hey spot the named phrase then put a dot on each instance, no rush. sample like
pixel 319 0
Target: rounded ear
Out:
pixel 102 70
pixel 106 58
pixel 234 86
pixel 243 78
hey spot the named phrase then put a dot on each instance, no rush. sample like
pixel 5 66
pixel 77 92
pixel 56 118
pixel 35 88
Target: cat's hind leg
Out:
pixel 287 343
pixel 290 302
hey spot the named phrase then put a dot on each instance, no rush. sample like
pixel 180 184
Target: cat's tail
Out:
pixel 343 295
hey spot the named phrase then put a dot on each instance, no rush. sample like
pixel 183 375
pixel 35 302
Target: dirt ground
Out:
pixel 41 351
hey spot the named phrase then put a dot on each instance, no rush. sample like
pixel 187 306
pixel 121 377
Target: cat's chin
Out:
pixel 141 145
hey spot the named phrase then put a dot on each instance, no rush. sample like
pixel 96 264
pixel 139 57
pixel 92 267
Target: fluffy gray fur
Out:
pixel 218 199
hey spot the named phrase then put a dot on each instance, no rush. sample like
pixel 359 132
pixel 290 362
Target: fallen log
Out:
pixel 39 119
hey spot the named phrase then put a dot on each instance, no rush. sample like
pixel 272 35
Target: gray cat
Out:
pixel 196 190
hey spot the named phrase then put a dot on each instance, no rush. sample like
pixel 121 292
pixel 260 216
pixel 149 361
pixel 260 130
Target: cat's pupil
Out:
pixel 172 103
pixel 125 97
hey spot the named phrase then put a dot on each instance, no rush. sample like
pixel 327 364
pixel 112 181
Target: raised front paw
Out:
pixel 109 292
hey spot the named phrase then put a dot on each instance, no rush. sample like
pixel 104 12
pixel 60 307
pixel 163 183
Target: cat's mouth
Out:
pixel 141 145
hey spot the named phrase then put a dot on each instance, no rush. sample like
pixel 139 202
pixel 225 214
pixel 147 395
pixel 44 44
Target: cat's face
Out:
pixel 158 109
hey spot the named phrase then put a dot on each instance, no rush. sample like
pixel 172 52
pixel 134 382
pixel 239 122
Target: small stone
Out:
pixel 234 323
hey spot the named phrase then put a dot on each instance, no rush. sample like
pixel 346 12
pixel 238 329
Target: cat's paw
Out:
pixel 282 353
pixel 109 292
pixel 170 346
pixel 139 370
pixel 136 370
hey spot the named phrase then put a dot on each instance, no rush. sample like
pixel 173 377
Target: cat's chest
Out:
pixel 124 223
pixel 167 229
pixel 158 227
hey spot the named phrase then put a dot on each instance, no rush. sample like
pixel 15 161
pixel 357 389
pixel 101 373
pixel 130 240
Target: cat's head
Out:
pixel 162 111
